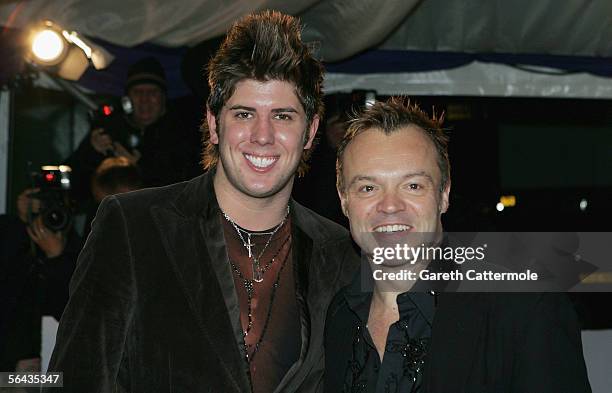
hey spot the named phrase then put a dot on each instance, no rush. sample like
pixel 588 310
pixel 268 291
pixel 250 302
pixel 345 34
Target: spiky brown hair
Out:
pixel 263 46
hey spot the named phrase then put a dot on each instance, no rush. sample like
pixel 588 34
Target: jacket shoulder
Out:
pixel 319 227
pixel 150 196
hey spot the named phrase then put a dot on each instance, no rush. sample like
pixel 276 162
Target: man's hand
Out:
pixel 52 243
pixel 100 141
pixel 121 151
pixel 25 204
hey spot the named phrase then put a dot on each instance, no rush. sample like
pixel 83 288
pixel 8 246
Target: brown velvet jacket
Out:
pixel 152 301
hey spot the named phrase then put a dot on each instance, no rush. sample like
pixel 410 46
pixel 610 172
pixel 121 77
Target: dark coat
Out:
pixel 153 306
pixel 484 343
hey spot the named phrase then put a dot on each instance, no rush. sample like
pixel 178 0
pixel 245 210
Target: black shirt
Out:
pixel 407 344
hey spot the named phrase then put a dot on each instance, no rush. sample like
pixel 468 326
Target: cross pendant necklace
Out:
pixel 257 273
pixel 257 270
pixel 248 245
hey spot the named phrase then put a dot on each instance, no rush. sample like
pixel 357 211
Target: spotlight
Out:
pixel 48 46
pixel 63 53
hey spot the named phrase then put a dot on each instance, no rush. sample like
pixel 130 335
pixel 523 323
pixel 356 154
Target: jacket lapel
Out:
pixel 315 280
pixel 458 325
pixel 193 250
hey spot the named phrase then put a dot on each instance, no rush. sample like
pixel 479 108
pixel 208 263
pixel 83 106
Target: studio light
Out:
pixel 48 46
pixel 64 53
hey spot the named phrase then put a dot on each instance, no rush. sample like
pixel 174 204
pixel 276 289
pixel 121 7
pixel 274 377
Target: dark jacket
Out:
pixel 153 306
pixel 483 343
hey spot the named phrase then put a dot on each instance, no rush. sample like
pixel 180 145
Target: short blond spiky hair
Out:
pixel 393 115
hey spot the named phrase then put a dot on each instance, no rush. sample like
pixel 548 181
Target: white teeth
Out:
pixel 261 162
pixel 392 228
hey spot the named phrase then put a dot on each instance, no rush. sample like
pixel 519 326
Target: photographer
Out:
pixel 38 262
pixel 150 137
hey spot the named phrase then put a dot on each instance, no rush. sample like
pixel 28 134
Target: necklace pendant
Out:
pixel 248 245
pixel 257 274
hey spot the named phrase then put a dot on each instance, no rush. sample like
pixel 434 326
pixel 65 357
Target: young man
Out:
pixel 219 284
pixel 394 183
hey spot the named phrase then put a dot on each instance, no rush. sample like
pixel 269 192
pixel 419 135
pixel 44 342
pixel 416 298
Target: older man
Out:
pixel 394 185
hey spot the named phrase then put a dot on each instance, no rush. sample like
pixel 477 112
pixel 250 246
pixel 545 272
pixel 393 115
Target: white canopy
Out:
pixel 344 28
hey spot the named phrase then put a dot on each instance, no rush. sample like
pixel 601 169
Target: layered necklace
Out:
pixel 245 237
pixel 257 276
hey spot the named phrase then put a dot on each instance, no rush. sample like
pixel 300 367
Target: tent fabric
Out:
pixel 569 27
pixel 343 28
pixel 474 79
pixel 398 46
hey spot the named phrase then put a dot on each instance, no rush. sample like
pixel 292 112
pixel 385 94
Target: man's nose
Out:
pixel 262 132
pixel 391 203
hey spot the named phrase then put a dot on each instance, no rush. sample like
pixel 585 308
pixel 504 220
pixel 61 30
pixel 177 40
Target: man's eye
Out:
pixel 243 115
pixel 366 188
pixel 283 116
pixel 415 186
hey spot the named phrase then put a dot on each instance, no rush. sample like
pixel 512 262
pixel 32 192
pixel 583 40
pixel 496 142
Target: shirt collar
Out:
pixel 359 298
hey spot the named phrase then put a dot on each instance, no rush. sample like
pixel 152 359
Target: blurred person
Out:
pixel 115 175
pixel 220 283
pixel 393 182
pixel 151 136
pixel 37 263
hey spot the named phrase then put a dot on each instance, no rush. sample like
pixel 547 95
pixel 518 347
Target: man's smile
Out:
pixel 261 162
pixel 392 228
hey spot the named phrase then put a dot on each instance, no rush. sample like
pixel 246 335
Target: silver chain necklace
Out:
pixel 257 270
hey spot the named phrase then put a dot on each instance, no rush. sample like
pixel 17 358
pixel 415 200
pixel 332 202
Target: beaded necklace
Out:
pixel 250 291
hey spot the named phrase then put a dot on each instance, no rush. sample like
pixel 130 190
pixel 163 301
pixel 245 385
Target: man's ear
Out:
pixel 212 126
pixel 312 132
pixel 444 204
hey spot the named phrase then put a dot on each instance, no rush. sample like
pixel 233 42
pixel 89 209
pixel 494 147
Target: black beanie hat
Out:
pixel 147 70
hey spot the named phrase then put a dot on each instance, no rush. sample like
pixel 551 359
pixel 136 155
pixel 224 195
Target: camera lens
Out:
pixel 56 218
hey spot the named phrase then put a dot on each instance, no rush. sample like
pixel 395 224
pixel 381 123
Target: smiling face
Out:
pixel 392 188
pixel 262 134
